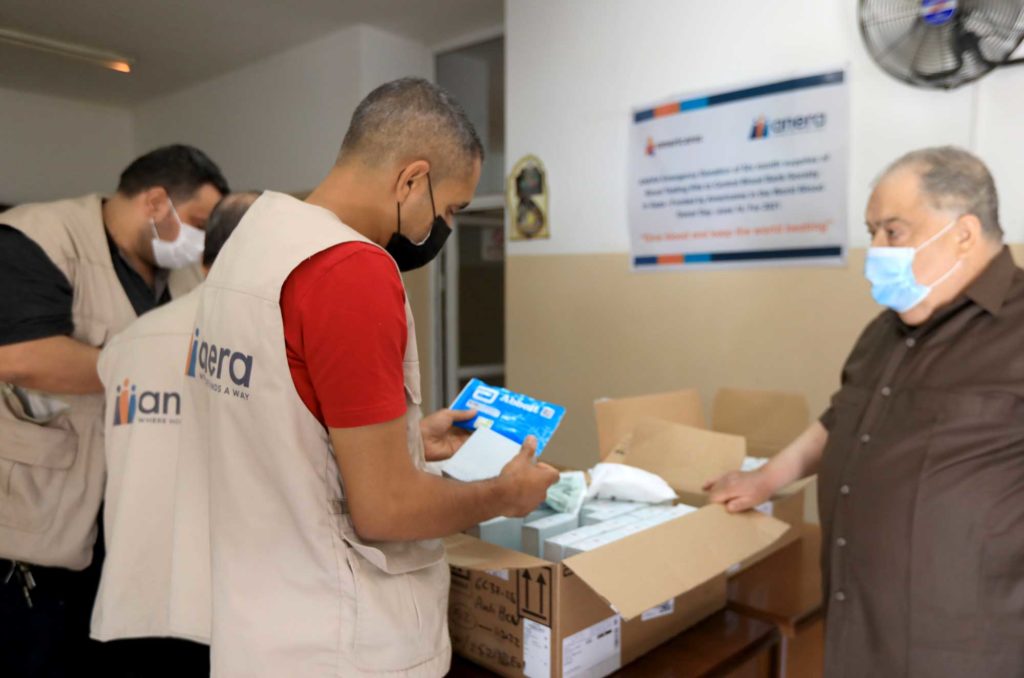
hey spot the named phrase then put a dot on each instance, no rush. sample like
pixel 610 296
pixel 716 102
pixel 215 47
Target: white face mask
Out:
pixel 185 250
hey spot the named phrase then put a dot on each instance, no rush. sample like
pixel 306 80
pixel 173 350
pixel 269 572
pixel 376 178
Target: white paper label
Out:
pixel 482 456
pixel 500 574
pixel 536 649
pixel 663 610
pixel 767 508
pixel 593 652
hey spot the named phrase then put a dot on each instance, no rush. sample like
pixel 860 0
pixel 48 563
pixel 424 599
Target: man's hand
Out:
pixel 441 438
pixel 52 364
pixel 740 491
pixel 524 482
pixel 390 500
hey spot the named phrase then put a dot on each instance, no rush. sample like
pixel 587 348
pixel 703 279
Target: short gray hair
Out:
pixel 412 117
pixel 955 179
pixel 225 216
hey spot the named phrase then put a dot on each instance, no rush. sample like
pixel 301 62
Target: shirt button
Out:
pixel 845 489
pixel 911 343
pixel 866 438
pixel 840 542
pixel 840 596
pixel 886 391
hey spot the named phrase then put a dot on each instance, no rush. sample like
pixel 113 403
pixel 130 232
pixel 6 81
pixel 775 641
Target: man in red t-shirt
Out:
pixel 409 161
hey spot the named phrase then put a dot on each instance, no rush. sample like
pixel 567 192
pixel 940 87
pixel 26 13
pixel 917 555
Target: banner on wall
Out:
pixel 752 176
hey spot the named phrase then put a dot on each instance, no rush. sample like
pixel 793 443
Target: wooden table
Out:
pixel 725 644
pixel 785 589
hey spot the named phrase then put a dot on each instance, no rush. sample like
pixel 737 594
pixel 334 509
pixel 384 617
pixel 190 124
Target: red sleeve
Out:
pixel 345 333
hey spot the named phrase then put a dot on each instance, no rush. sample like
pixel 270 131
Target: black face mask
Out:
pixel 407 254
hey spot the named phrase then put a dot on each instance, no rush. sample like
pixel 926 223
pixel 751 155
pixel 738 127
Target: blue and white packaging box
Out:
pixel 510 414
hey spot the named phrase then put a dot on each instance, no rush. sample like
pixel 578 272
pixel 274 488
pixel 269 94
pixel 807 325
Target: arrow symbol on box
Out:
pixel 528 579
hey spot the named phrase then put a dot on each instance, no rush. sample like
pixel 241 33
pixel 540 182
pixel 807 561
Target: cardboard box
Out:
pixel 518 615
pixel 616 418
pixel 687 456
pixel 594 612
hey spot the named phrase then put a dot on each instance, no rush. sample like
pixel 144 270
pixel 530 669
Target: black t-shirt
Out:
pixel 36 297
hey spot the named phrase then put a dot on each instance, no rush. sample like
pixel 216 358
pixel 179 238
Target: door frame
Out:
pixel 444 278
pixel 445 303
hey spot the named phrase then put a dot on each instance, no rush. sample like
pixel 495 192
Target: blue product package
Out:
pixel 511 414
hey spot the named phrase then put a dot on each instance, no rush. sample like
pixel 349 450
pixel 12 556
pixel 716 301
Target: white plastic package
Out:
pixel 628 483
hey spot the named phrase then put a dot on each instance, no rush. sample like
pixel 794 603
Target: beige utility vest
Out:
pixel 51 465
pixel 295 591
pixel 144 380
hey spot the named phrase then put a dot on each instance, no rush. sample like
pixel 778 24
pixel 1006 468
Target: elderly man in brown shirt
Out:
pixel 920 457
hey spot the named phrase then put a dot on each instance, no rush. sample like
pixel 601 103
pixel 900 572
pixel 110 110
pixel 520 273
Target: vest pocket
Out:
pixel 34 463
pixel 401 619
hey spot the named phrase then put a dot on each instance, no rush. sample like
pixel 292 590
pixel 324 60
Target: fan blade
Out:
pixel 980 19
pixel 939 44
pixel 916 32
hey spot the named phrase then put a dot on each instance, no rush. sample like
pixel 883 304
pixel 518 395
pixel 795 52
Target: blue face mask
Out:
pixel 890 270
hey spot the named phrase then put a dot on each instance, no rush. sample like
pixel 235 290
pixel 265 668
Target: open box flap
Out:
pixel 686 457
pixel 473 554
pixel 644 570
pixel 618 417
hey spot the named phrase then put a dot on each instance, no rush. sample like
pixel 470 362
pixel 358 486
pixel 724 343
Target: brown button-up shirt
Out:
pixel 922 492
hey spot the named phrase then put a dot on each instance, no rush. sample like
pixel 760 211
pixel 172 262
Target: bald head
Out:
pixel 223 220
pixel 412 119
pixel 954 180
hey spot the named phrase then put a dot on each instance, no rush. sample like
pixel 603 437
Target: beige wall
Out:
pixel 582 327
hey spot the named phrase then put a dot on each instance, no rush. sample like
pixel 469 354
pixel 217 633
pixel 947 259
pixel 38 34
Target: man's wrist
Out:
pixel 774 475
pixel 497 496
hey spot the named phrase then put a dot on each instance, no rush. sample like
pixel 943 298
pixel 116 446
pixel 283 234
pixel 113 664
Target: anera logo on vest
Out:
pixel 222 369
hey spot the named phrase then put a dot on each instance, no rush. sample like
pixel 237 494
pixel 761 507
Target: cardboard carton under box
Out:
pixel 518 615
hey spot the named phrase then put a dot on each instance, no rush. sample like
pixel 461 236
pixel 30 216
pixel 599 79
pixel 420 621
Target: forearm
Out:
pixel 799 459
pixel 54 365
pixel 425 506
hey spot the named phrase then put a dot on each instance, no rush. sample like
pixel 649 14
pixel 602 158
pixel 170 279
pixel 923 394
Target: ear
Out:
pixel 408 177
pixel 968 233
pixel 156 203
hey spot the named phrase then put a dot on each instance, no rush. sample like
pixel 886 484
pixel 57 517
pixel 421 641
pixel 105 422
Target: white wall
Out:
pixel 1000 141
pixel 278 123
pixel 53 148
pixel 385 56
pixel 576 67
